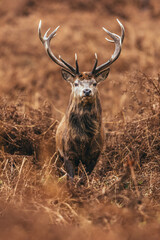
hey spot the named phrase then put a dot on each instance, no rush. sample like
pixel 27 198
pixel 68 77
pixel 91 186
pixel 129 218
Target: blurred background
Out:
pixel 27 73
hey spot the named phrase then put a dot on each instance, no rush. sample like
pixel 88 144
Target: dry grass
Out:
pixel 120 199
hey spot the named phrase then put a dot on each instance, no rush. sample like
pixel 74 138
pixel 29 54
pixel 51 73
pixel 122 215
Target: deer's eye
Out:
pixel 94 84
pixel 76 84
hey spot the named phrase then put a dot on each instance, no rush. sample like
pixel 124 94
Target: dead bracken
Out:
pixel 120 199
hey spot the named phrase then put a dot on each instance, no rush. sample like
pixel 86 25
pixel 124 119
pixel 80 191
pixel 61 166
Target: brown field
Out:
pixel 121 198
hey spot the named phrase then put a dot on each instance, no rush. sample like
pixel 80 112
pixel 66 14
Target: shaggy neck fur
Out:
pixel 84 119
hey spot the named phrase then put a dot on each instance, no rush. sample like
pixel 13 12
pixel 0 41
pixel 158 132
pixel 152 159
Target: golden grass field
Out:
pixel 121 198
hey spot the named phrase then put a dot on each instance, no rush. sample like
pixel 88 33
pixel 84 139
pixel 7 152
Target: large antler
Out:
pixel 46 42
pixel 118 40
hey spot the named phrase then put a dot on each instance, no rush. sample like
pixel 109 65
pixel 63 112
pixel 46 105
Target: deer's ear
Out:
pixel 69 77
pixel 102 75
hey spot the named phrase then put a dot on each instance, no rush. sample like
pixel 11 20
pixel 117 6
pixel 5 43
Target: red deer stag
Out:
pixel 80 134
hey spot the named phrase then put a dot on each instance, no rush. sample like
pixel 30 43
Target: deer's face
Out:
pixel 84 85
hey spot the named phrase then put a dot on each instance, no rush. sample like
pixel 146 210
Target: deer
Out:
pixel 80 135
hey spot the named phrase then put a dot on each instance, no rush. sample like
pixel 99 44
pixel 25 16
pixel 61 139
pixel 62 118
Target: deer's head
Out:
pixel 84 85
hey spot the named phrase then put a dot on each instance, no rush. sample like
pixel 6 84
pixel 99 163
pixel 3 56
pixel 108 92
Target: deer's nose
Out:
pixel 87 92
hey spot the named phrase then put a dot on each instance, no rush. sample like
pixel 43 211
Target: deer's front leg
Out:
pixel 69 167
pixel 91 162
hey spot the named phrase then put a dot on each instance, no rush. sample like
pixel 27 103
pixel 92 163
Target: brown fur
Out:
pixel 80 135
pixel 85 75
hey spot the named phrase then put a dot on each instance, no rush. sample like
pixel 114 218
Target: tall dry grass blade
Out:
pixel 19 176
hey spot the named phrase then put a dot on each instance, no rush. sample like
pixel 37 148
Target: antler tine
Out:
pixel 118 40
pixel 46 42
pixel 39 31
pixel 77 67
pixel 95 65
pixel 122 30
pixel 45 38
pixel 68 65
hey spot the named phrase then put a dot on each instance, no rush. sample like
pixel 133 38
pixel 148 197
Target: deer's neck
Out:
pixel 84 119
